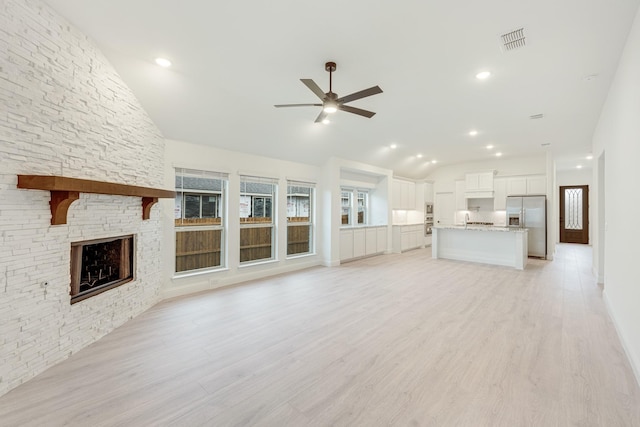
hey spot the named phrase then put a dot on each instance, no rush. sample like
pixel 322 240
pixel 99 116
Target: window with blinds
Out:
pixel 199 219
pixel 300 213
pixel 257 218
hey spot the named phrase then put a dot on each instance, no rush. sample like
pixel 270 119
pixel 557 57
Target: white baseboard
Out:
pixel 635 364
pixel 213 281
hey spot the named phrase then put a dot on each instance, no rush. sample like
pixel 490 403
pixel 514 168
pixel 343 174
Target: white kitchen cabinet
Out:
pixel 362 241
pixel 371 244
pixel 404 195
pixel 396 196
pixel 479 181
pixel 359 242
pixel 461 201
pixel 516 186
pixel 534 185
pixel 500 194
pixel 428 192
pixel 346 244
pixel 407 237
pixel 381 239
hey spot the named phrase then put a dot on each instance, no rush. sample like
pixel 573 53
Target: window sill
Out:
pixel 178 276
pixel 252 264
pixel 301 255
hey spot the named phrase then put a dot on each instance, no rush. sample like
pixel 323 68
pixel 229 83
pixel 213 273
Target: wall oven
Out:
pixel 428 219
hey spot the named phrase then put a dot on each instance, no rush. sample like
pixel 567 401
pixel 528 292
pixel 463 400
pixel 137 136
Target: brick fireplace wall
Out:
pixel 65 111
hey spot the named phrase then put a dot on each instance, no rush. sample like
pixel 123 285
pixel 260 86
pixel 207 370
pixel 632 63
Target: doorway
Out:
pixel 574 214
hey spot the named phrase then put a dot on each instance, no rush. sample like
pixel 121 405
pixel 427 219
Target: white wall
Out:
pixel 617 136
pixel 186 155
pixel 66 112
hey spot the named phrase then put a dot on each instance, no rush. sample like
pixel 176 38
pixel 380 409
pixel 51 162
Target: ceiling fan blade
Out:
pixel 357 111
pixel 297 105
pixel 323 115
pixel 314 88
pixel 361 94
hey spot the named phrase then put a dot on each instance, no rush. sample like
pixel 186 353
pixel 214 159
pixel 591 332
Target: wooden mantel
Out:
pixel 65 191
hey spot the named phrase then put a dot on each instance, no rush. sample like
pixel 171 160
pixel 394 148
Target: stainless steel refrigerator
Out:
pixel 530 212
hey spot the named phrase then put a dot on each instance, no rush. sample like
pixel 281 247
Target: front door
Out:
pixel 574 214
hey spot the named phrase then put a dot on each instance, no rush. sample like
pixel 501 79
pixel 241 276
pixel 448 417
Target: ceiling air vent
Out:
pixel 536 116
pixel 513 40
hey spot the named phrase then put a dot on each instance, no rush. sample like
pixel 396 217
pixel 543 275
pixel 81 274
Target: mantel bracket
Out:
pixel 60 202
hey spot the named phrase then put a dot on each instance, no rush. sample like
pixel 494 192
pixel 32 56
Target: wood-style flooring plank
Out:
pixel 397 340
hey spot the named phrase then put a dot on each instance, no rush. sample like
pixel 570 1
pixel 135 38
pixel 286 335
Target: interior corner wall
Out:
pixel 65 111
pixel 617 133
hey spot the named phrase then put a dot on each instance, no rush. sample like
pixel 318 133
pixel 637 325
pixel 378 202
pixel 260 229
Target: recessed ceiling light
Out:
pixel 163 62
pixel 473 132
pixel 419 156
pixel 489 147
pixel 589 157
pixel 579 167
pixel 483 75
pixel 498 154
pixel 393 146
pixel 434 161
pixel 326 121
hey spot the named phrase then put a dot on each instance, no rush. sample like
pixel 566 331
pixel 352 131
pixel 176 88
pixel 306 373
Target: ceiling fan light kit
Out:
pixel 330 100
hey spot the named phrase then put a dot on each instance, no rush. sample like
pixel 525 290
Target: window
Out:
pixel 348 195
pixel 346 205
pixel 257 225
pixel 199 219
pixel 363 204
pixel 299 218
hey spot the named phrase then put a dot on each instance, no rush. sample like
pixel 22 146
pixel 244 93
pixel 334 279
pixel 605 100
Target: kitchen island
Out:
pixel 488 245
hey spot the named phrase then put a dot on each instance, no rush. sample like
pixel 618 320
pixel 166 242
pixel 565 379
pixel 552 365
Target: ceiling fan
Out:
pixel 330 101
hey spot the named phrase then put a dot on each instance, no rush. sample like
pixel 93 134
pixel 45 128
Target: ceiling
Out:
pixel 232 61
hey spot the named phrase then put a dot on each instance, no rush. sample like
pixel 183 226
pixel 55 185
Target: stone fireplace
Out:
pixel 100 265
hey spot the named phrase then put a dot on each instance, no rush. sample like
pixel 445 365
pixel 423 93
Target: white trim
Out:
pixel 635 364
pixel 256 177
pixel 211 283
pixel 300 182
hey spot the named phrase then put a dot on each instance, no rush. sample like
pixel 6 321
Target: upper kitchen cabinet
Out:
pixel 428 192
pixel 500 194
pixel 404 195
pixel 479 184
pixel 534 185
pixel 461 201
pixel 537 185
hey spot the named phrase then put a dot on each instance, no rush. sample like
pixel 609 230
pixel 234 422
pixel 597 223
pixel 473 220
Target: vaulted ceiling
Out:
pixel 232 61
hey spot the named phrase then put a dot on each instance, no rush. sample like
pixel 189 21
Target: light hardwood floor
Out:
pixel 399 340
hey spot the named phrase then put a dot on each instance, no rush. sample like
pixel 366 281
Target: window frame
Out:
pixel 354 208
pixel 221 212
pixel 245 225
pixel 310 218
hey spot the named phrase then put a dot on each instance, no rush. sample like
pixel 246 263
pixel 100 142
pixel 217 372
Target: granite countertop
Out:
pixel 482 228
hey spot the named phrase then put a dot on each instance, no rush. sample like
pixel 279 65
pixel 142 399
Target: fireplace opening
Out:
pixel 100 265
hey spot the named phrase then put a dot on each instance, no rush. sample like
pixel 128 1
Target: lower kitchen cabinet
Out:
pixel 407 237
pixel 358 242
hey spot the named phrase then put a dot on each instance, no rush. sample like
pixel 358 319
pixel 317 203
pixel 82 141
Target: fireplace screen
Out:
pixel 100 265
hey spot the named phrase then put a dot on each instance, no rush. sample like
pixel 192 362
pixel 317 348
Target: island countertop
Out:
pixel 482 228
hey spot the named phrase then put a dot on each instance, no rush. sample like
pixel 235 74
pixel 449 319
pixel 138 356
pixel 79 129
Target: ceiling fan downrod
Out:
pixel 330 67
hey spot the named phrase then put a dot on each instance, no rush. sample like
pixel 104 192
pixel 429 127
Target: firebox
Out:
pixel 100 265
